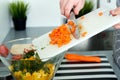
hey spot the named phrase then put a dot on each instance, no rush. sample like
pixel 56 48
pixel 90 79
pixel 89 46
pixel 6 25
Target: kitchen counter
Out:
pixel 28 33
pixel 36 32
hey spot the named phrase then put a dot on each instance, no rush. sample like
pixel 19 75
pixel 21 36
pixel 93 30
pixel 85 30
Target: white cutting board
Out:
pixel 92 24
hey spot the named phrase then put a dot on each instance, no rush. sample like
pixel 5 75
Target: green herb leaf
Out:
pixel 29 54
pixel 46 69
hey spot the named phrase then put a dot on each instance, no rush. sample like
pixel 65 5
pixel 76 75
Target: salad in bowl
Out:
pixel 22 60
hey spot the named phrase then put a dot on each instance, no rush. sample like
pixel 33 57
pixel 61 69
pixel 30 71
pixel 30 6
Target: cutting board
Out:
pixel 92 23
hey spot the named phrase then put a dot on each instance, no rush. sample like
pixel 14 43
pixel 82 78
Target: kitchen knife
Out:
pixel 76 33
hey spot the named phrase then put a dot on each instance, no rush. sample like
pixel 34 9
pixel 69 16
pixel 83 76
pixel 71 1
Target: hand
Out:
pixel 67 5
pixel 3 50
pixel 114 13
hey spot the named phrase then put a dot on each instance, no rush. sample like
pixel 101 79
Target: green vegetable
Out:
pixel 42 48
pixel 18 9
pixel 29 65
pixel 29 54
pixel 86 9
pixel 46 69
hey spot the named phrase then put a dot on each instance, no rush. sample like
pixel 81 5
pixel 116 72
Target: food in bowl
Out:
pixel 20 48
pixel 30 67
pixel 25 64
pixel 21 58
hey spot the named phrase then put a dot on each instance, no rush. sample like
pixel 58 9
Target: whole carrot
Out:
pixel 82 58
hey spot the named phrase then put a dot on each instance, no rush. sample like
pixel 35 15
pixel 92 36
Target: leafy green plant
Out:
pixel 18 9
pixel 86 9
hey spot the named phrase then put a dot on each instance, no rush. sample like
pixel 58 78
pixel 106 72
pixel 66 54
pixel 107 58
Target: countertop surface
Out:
pixel 36 32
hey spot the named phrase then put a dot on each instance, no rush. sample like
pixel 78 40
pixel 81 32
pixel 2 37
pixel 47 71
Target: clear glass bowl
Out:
pixel 30 69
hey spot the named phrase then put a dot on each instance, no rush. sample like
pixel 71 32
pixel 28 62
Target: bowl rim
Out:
pixel 19 39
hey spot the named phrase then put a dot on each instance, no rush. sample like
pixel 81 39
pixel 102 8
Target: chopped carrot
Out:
pixel 82 58
pixel 60 36
pixel 73 25
pixel 84 34
pixel 100 13
pixel 70 22
pixel 80 27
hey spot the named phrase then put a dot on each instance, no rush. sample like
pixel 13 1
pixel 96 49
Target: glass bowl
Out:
pixel 28 66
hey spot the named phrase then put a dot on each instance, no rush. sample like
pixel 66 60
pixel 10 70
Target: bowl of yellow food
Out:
pixel 24 62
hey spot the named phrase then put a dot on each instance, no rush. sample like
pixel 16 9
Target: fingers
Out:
pixel 62 6
pixel 67 5
pixel 117 26
pixel 79 6
pixel 115 11
pixel 61 1
pixel 68 8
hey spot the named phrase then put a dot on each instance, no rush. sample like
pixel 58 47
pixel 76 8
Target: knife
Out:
pixel 76 33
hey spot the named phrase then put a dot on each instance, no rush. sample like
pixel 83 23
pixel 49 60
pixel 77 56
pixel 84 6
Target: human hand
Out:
pixel 4 50
pixel 67 5
pixel 114 13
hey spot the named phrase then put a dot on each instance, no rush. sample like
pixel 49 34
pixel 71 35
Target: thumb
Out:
pixel 117 26
pixel 115 11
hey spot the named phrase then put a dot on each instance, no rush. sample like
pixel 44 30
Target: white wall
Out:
pixel 108 4
pixel 4 19
pixel 43 13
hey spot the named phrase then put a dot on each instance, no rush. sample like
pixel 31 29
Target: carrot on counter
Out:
pixel 60 36
pixel 82 58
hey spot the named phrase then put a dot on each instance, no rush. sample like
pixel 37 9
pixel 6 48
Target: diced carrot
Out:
pixel 72 24
pixel 84 34
pixel 100 13
pixel 80 27
pixel 82 58
pixel 60 35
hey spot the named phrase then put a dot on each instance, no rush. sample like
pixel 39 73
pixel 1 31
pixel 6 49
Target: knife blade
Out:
pixel 76 33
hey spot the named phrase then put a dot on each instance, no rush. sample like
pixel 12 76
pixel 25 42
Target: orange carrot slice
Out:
pixel 82 58
pixel 80 27
pixel 100 13
pixel 73 25
pixel 84 34
pixel 60 36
